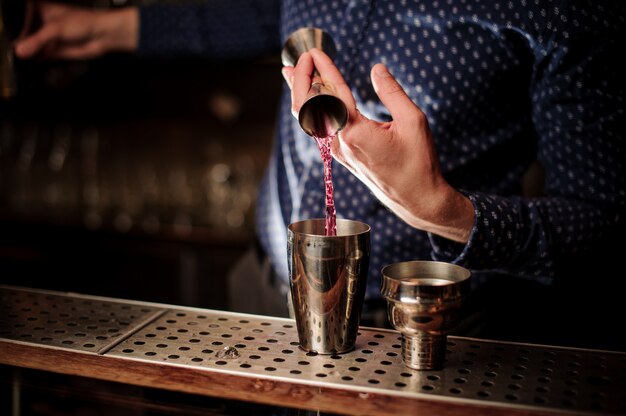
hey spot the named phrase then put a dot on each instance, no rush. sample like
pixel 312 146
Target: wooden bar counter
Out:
pixel 256 359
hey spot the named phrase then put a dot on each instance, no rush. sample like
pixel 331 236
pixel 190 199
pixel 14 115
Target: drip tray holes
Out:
pixel 494 373
pixel 66 322
pixel 535 376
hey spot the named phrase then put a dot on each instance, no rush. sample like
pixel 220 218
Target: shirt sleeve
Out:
pixel 577 98
pixel 213 29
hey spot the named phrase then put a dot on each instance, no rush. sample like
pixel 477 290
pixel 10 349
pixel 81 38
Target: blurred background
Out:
pixel 133 178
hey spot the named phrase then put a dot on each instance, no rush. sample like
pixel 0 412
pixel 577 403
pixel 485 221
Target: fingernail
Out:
pixel 381 71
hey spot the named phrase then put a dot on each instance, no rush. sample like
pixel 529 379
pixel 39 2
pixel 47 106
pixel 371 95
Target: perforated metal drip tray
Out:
pixel 76 322
pixel 492 373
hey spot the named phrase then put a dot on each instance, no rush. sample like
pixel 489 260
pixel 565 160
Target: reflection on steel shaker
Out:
pixel 424 299
pixel 328 276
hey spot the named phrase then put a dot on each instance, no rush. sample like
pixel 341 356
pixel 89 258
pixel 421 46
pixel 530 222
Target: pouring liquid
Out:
pixel 324 143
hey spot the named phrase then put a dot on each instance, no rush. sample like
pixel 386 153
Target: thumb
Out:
pixel 391 94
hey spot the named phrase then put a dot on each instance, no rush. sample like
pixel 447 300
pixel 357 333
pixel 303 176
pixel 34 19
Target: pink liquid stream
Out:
pixel 324 143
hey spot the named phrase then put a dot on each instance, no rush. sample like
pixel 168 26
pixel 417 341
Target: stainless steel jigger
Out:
pixel 322 114
pixel 424 298
pixel 328 276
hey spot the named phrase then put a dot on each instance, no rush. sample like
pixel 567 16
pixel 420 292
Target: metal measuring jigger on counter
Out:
pixel 323 114
pixel 424 299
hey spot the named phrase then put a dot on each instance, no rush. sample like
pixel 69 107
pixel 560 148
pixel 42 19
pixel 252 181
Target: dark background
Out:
pixel 133 178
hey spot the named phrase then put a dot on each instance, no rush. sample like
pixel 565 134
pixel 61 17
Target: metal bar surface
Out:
pixel 257 359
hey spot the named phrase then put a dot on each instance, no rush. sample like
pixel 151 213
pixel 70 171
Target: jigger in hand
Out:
pixel 323 114
pixel 424 299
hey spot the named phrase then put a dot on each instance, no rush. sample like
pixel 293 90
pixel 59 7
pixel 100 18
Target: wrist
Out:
pixel 449 215
pixel 458 217
pixel 120 29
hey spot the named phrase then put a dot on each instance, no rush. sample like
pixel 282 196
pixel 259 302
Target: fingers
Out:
pixel 315 66
pixel 76 52
pixel 302 78
pixel 288 75
pixel 31 45
pixel 287 72
pixel 332 78
pixel 52 11
pixel 328 71
pixel 390 92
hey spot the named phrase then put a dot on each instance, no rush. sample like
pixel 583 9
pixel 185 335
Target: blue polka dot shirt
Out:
pixel 503 84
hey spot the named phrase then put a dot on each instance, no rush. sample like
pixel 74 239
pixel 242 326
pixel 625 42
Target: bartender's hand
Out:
pixel 71 32
pixel 397 159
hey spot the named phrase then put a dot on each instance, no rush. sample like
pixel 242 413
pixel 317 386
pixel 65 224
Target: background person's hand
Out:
pixel 397 159
pixel 71 32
